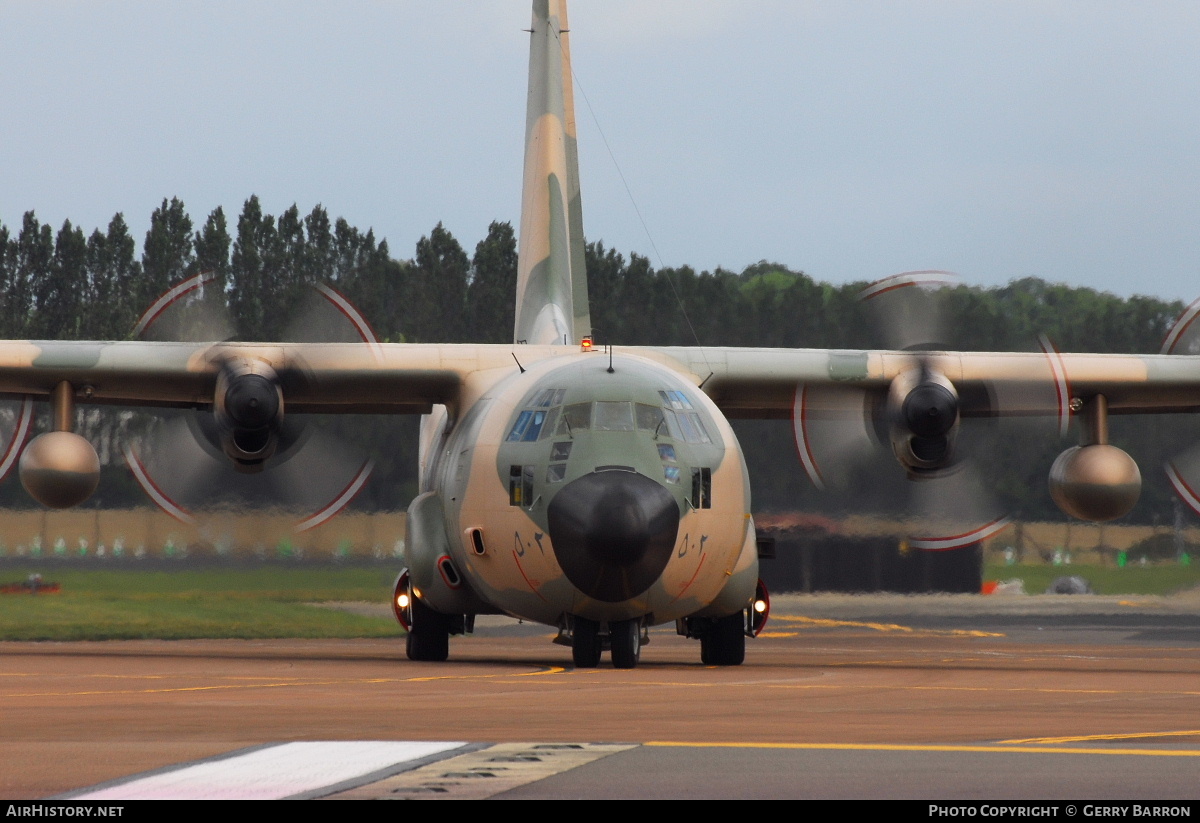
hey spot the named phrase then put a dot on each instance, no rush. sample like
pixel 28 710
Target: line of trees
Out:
pixel 65 284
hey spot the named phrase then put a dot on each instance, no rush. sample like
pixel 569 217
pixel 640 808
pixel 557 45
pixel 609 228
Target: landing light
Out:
pixel 402 600
pixel 760 610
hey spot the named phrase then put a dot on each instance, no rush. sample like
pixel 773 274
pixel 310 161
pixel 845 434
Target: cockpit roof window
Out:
pixel 549 397
pixel 674 399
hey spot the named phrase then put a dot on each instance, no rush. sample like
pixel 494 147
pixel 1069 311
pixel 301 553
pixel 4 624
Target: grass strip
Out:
pixel 259 602
pixel 1134 579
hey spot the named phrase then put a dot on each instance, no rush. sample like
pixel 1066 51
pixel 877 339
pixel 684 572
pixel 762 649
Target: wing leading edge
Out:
pixel 407 378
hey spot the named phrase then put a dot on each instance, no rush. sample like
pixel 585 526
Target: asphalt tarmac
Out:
pixel 938 697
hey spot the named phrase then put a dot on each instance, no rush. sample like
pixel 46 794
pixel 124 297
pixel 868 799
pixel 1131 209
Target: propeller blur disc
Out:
pixel 178 458
pixel 844 434
pixel 1183 470
pixel 16 420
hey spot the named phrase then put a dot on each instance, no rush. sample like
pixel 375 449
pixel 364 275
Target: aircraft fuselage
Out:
pixel 576 488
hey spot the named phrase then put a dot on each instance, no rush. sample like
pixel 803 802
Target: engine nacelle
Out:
pixel 59 469
pixel 249 409
pixel 1097 482
pixel 922 421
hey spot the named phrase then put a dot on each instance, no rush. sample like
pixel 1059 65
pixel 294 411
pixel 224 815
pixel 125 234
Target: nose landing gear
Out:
pixel 623 640
pixel 625 636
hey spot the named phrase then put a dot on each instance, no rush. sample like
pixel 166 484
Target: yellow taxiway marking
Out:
pixel 1081 738
pixel 606 676
pixel 902 747
pixel 823 622
pixel 1014 689
pixel 278 684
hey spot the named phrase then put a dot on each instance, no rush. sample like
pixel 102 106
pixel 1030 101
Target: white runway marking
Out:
pixel 274 772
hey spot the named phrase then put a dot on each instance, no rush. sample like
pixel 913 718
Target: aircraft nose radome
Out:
pixel 613 533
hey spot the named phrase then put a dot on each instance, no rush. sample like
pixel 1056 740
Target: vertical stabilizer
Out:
pixel 552 304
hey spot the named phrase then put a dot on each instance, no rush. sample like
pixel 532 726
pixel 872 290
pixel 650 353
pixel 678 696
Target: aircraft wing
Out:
pixel 763 383
pixel 410 378
pixel 324 377
pixel 920 396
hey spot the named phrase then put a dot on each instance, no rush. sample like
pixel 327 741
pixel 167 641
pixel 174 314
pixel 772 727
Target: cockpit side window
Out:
pixel 673 425
pixel 689 430
pixel 520 485
pixel 519 427
pixel 682 422
pixel 702 488
pixel 551 419
pixel 538 420
pixel 535 426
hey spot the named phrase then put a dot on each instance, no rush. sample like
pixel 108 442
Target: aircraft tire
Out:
pixel 585 643
pixel 625 640
pixel 429 638
pixel 724 644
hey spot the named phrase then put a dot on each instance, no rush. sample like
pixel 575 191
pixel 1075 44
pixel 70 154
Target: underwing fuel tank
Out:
pixel 60 469
pixel 1097 482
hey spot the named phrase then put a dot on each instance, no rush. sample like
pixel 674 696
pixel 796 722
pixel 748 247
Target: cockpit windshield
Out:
pixel 676 418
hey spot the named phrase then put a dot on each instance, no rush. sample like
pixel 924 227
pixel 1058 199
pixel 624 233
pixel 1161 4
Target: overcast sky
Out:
pixel 849 140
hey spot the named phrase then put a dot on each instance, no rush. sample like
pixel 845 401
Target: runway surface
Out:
pixel 1067 697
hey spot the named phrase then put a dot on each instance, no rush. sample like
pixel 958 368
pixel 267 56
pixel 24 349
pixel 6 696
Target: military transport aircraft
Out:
pixel 596 489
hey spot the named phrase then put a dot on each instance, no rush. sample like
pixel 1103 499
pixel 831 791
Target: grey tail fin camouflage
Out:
pixel 552 301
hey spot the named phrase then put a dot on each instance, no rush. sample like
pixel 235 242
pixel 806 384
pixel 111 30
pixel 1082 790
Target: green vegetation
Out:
pixel 260 602
pixel 54 280
pixel 1157 578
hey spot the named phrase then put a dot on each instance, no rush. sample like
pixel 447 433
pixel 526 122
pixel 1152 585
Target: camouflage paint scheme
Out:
pixel 473 397
pixel 411 378
pixel 552 304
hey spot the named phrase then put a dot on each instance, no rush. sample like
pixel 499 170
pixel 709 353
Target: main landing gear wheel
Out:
pixel 428 634
pixel 724 644
pixel 585 643
pixel 625 640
